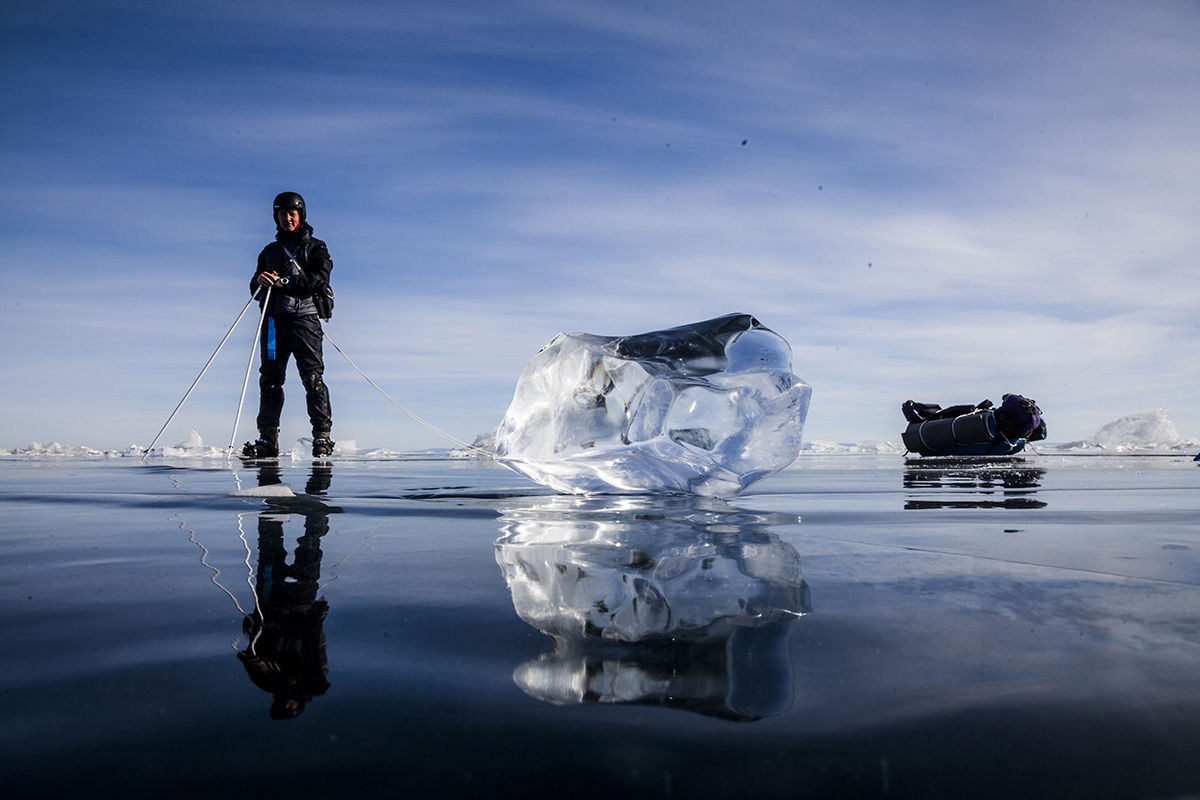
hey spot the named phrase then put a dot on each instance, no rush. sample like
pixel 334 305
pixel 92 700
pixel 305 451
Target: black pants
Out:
pixel 282 338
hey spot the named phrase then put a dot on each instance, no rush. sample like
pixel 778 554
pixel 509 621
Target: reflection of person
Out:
pixel 286 653
pixel 295 266
pixel 319 478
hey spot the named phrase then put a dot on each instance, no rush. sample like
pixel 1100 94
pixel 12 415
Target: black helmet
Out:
pixel 288 200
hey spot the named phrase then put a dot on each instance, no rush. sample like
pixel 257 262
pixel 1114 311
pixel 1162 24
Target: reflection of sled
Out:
pixel 977 430
pixel 971 482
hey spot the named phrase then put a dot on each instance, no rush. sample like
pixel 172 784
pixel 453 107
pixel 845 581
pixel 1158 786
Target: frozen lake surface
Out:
pixel 857 626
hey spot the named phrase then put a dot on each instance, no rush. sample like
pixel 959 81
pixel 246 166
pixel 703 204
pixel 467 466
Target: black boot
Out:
pixel 322 444
pixel 267 445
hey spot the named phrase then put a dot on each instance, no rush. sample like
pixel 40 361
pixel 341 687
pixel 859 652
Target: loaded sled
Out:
pixel 973 430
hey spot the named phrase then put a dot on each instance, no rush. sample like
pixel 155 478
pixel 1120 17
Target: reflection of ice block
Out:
pixel 681 602
pixel 707 409
pixel 745 677
pixel 634 572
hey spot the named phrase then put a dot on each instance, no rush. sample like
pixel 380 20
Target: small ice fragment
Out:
pixel 270 490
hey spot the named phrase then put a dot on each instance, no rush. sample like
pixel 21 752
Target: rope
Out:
pixel 204 560
pixel 420 421
pixel 253 588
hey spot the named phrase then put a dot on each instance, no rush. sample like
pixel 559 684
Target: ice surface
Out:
pixel 706 409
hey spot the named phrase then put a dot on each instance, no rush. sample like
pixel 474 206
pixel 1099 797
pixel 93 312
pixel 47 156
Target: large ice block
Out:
pixel 705 409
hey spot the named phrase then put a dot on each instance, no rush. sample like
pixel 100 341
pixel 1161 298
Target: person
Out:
pixel 295 267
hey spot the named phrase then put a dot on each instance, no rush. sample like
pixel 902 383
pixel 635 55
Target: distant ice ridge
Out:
pixel 192 448
pixel 56 450
pixel 820 447
pixel 705 409
pixel 1147 431
pixel 484 446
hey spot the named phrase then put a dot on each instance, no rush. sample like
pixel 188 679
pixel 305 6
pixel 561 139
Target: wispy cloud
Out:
pixel 938 201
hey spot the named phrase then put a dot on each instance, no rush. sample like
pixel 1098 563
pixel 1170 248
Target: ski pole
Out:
pixel 201 375
pixel 257 332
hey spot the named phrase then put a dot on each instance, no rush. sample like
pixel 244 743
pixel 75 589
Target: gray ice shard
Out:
pixel 704 409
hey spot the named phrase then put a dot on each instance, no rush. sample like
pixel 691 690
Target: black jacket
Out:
pixel 308 272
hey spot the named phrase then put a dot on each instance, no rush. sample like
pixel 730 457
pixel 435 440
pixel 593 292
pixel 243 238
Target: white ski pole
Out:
pixel 257 333
pixel 201 375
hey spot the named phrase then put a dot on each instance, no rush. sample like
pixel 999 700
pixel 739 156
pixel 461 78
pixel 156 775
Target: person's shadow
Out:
pixel 286 652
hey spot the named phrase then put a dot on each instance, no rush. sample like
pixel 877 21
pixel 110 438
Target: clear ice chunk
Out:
pixel 705 409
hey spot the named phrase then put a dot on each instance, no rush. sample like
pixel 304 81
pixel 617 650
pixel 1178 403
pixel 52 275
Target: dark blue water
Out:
pixel 859 626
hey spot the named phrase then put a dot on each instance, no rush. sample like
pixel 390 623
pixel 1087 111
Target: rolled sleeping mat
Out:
pixel 940 434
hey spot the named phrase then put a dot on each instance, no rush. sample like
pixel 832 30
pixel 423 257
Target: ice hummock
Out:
pixel 866 446
pixel 707 409
pixel 1149 430
pixel 193 447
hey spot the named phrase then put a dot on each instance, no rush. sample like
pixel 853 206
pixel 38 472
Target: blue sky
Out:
pixel 940 201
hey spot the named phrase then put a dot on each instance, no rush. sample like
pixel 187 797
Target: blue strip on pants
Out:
pixel 271 338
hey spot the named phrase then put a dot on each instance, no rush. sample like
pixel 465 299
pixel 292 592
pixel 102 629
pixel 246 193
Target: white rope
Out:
pixel 420 421
pixel 253 588
pixel 204 560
